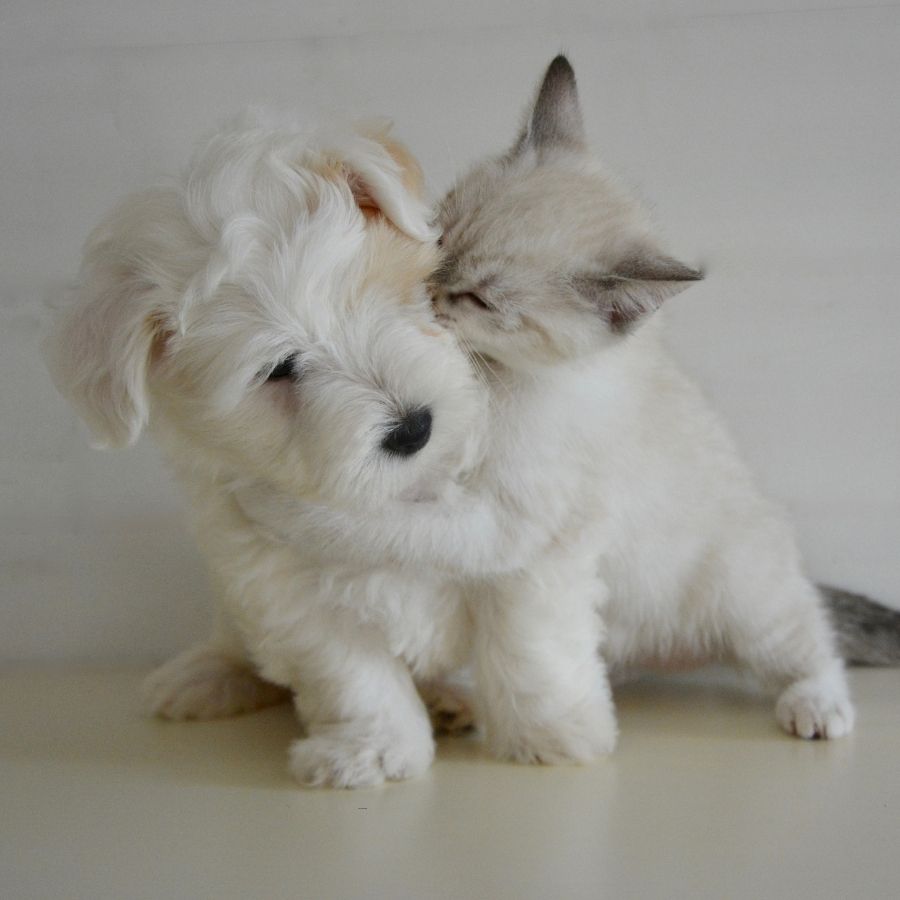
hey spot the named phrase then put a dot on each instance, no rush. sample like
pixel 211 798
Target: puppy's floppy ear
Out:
pixel 634 288
pixel 386 179
pixel 100 347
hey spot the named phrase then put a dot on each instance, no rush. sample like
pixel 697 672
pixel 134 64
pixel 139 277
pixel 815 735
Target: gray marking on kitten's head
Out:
pixel 547 256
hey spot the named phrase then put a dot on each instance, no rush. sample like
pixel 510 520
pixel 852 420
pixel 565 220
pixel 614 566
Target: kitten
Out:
pixel 550 279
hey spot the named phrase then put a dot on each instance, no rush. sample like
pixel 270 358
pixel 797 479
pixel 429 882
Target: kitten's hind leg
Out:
pixel 778 627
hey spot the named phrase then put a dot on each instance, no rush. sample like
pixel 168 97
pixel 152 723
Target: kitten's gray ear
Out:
pixel 555 119
pixel 634 288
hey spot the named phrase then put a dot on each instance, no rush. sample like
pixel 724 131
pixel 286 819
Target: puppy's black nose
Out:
pixel 410 434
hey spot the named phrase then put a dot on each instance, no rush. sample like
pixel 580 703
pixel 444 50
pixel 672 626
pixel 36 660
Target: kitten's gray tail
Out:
pixel 868 633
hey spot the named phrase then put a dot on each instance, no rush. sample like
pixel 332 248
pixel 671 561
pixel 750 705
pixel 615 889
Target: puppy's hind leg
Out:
pixel 209 681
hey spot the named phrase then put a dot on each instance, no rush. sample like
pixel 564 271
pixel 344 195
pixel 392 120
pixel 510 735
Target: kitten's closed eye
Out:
pixel 474 299
pixel 287 368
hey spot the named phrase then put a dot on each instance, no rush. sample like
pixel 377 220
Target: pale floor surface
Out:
pixel 703 798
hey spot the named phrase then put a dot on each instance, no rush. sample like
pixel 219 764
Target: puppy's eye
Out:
pixel 287 368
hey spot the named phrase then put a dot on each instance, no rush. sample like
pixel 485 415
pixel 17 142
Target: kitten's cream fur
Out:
pixel 550 274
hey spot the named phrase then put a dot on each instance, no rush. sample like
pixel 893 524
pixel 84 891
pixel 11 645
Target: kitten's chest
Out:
pixel 539 453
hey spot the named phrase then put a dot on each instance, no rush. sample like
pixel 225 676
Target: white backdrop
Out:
pixel 764 131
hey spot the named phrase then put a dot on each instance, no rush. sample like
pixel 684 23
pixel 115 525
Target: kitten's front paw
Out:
pixel 816 708
pixel 205 683
pixel 578 738
pixel 352 756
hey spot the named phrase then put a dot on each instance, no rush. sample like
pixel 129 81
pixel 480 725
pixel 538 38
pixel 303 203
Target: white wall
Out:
pixel 765 131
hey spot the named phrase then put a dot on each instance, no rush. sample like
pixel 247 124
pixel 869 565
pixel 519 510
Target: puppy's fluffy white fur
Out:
pixel 279 244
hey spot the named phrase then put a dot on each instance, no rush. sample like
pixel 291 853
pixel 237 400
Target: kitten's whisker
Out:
pixel 480 364
pixel 474 355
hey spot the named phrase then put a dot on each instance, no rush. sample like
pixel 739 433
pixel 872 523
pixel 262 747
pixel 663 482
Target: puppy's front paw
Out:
pixel 205 683
pixel 577 738
pixel 816 708
pixel 351 756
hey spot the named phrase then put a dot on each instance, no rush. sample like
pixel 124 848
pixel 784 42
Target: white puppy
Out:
pixel 267 316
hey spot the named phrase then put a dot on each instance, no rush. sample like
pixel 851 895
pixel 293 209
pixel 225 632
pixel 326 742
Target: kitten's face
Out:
pixel 522 239
pixel 546 257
